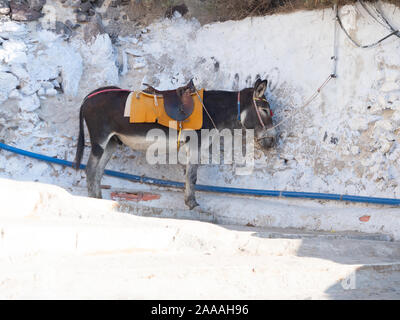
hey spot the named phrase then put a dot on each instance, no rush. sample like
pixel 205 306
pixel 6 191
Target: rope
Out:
pixel 308 101
pixel 205 109
pixel 332 75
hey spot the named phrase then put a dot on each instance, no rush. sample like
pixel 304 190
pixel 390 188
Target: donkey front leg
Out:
pixel 190 182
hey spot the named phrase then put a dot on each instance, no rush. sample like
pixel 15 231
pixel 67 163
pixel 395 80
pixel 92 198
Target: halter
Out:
pixel 271 114
pixel 255 106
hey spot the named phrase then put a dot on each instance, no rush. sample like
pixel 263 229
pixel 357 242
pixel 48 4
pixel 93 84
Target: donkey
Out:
pixel 107 127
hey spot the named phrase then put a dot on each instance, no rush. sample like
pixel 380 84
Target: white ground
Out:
pixel 57 246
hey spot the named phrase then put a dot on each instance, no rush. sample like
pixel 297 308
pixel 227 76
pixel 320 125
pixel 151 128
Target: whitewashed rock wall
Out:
pixel 346 141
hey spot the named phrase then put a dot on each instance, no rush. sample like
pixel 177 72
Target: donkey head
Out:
pixel 257 115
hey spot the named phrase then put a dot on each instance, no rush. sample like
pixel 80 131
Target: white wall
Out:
pixel 292 51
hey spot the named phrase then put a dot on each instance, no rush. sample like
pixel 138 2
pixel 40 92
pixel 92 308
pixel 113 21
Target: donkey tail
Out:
pixel 81 140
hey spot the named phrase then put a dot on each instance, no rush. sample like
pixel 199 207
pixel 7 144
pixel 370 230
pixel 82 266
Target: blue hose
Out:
pixel 199 187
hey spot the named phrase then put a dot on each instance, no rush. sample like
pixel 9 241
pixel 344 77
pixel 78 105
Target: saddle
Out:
pixel 178 103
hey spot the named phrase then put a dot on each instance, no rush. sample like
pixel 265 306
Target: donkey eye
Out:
pixel 267 112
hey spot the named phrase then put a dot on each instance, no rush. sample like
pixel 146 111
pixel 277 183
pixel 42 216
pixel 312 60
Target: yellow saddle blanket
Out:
pixel 143 107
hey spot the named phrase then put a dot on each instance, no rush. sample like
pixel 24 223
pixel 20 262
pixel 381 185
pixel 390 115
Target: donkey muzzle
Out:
pixel 267 139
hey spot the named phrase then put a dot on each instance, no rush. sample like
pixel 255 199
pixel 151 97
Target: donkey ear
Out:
pixel 260 87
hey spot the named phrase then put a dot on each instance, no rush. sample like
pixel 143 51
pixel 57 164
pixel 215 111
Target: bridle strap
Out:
pixel 238 106
pixel 271 114
pixel 255 106
pixel 258 113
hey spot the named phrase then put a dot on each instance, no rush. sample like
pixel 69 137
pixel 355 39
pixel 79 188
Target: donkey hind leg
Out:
pixel 98 160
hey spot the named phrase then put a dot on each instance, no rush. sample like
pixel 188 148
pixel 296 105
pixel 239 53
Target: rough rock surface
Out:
pixel 26 11
pixel 4 7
